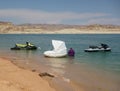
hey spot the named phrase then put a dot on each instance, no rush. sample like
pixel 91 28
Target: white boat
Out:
pixel 103 47
pixel 59 50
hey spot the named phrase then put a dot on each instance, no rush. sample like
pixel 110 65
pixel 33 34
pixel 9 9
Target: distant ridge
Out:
pixel 9 27
pixel 6 23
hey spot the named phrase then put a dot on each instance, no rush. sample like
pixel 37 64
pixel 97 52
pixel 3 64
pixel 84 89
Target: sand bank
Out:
pixel 64 31
pixel 13 78
pixel 77 31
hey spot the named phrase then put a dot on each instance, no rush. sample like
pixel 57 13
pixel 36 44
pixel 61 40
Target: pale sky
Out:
pixel 80 12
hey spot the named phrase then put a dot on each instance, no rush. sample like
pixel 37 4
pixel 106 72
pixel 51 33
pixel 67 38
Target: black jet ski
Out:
pixel 27 46
pixel 103 47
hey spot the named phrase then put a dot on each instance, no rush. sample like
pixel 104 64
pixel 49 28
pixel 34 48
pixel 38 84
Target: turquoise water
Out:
pixel 103 64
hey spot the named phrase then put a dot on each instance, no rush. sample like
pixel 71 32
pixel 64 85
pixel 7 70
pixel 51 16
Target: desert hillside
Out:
pixel 9 27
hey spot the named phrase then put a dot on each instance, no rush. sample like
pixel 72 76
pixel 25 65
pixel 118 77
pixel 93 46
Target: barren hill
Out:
pixel 8 27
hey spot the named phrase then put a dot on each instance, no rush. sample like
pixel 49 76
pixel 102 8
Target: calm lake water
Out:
pixel 100 68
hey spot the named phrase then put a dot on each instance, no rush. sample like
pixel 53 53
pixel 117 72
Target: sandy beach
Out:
pixel 63 31
pixel 13 78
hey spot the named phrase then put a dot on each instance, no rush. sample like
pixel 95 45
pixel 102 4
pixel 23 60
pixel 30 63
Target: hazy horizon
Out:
pixel 69 12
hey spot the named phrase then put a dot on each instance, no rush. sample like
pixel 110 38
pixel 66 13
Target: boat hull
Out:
pixel 97 50
pixel 54 54
pixel 24 48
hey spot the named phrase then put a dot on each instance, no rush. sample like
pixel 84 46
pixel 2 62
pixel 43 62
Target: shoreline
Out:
pixel 90 32
pixel 64 31
pixel 59 82
pixel 13 78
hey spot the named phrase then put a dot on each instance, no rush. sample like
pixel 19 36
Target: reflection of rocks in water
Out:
pixel 46 74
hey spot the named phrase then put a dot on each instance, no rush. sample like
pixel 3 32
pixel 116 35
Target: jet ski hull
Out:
pixel 97 50
pixel 24 48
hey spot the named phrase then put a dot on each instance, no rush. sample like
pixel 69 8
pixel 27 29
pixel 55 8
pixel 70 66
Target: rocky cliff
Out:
pixel 8 27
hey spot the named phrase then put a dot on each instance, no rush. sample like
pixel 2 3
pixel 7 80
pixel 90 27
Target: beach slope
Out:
pixel 13 78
